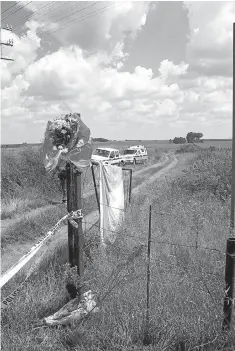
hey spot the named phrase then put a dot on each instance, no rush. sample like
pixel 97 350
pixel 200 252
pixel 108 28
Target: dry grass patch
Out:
pixel 30 227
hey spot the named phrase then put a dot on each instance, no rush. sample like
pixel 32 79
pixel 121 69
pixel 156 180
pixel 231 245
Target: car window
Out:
pixel 112 154
pixel 129 152
pixel 101 152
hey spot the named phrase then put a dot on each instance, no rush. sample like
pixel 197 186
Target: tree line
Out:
pixel 191 137
pixel 101 140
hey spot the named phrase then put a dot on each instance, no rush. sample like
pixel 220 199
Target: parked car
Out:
pixel 135 154
pixel 107 156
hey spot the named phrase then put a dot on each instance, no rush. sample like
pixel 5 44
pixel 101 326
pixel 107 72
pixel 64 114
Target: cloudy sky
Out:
pixel 134 70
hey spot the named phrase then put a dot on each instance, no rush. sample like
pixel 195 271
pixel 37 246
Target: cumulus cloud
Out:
pixel 194 92
pixel 68 75
pixel 206 82
pixel 91 25
pixel 24 52
pixel 167 69
pixel 210 43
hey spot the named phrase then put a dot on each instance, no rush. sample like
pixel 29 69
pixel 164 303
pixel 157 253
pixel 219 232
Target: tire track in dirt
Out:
pixel 157 175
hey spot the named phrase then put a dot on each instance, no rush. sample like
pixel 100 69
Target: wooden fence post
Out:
pixel 75 235
pixel 229 281
pixel 78 232
pixel 69 177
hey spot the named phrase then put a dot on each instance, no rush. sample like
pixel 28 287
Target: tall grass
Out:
pixel 29 228
pixel 187 279
pixel 25 183
pixel 210 173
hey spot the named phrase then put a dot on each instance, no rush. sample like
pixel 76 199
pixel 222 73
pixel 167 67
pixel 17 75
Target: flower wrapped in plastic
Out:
pixel 67 138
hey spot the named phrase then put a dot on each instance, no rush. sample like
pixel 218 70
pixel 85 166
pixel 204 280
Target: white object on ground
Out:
pixel 73 311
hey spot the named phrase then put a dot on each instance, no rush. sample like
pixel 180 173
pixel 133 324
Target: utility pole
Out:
pixel 230 250
pixel 8 43
pixel 233 146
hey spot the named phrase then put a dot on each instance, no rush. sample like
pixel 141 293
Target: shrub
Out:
pixel 179 140
pixel 210 172
pixel 187 148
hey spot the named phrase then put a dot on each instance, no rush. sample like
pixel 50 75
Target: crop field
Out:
pixel 161 144
pixel 190 224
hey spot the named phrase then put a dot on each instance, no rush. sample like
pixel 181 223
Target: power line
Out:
pixel 25 17
pixel 45 9
pixel 11 7
pixel 80 19
pixel 68 8
pixel 16 11
pixel 84 8
pixel 67 23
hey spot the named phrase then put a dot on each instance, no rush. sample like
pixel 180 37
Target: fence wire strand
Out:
pixel 158 242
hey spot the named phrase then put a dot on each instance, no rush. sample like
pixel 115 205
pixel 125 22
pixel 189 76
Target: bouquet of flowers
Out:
pixel 67 138
pixel 61 130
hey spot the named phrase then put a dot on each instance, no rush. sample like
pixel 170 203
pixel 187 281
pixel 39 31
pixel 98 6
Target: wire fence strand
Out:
pixel 159 242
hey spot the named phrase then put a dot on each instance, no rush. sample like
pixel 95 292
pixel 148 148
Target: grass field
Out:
pixel 26 185
pixel 190 218
pixel 23 191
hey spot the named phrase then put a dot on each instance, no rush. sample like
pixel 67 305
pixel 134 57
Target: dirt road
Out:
pixel 14 252
pixel 36 212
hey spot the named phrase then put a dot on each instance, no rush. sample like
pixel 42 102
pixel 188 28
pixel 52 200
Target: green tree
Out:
pixel 194 137
pixel 179 140
pixel 101 140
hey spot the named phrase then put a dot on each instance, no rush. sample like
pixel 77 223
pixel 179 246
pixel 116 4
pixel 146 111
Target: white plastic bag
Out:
pixel 111 202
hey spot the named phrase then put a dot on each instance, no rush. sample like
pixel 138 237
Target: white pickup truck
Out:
pixel 135 154
pixel 107 156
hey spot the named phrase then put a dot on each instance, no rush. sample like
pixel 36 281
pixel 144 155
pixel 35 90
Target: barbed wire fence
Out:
pixel 142 245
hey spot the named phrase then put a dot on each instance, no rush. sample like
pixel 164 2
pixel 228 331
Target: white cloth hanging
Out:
pixel 111 202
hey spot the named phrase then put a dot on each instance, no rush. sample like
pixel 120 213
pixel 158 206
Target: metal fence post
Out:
pixel 96 192
pixel 147 340
pixel 229 281
pixel 130 188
